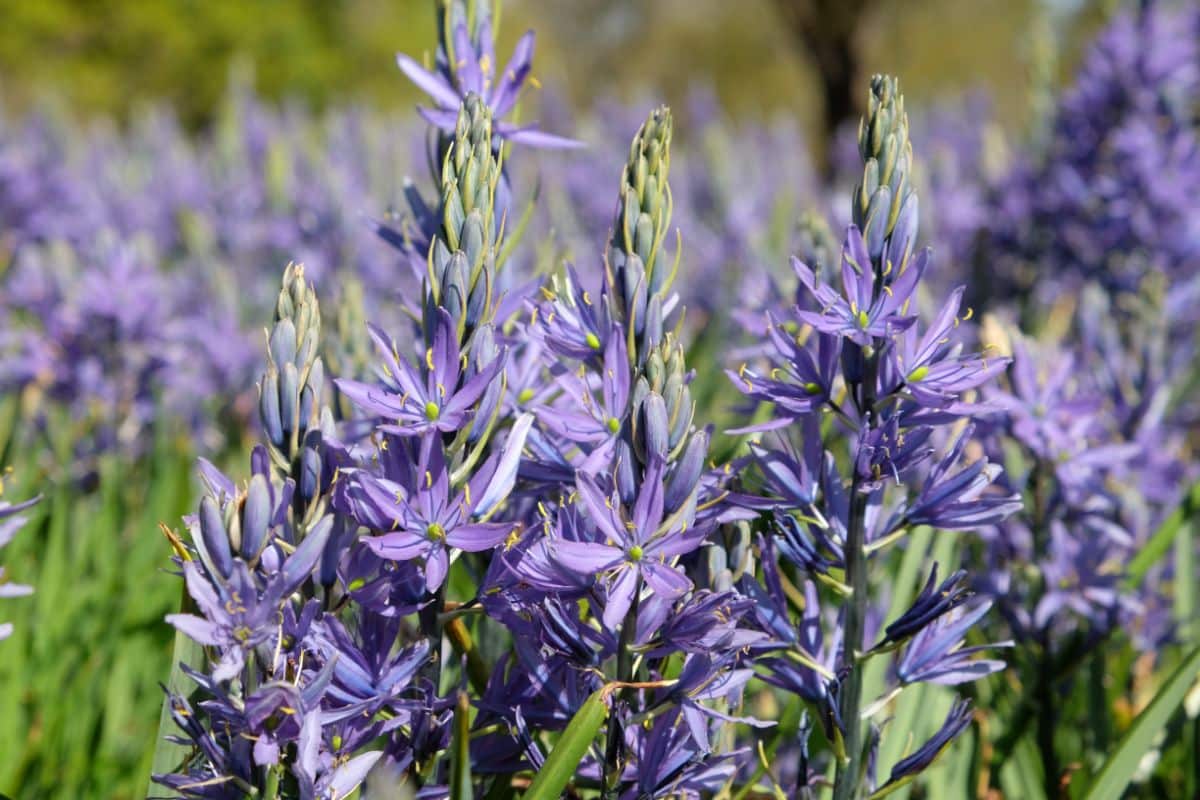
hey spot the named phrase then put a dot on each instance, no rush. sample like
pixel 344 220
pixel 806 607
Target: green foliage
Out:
pixel 1164 537
pixel 79 678
pixel 181 51
pixel 1120 767
pixel 571 747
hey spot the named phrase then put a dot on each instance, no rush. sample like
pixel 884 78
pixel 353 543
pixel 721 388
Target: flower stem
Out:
pixel 848 777
pixel 431 628
pixel 613 746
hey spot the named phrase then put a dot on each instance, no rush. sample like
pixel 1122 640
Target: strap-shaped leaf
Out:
pixel 1158 544
pixel 581 731
pixel 1118 770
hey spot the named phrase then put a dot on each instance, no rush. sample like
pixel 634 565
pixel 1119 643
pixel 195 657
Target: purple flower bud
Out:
pixel 256 515
pixel 213 542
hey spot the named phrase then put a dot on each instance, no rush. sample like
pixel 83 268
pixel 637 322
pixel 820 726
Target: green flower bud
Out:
pixel 881 205
pixel 292 388
pixel 470 232
pixel 636 267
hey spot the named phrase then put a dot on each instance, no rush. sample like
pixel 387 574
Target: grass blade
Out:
pixel 1158 544
pixel 1118 770
pixel 581 731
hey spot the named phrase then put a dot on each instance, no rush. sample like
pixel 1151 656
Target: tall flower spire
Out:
pixel 857 354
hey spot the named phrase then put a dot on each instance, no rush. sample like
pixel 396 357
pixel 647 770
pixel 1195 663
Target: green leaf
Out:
pixel 581 731
pixel 1021 775
pixel 460 756
pixel 1118 770
pixel 1158 544
pixel 1184 584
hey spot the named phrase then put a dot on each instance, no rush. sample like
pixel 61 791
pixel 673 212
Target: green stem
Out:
pixel 613 745
pixel 848 777
pixel 271 790
pixel 1047 721
pixel 1044 680
pixel 432 630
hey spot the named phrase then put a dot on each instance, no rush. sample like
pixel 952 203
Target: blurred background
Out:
pixel 181 152
pixel 802 57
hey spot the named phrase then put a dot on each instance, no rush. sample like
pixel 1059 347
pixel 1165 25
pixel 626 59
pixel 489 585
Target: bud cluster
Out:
pixel 637 271
pixel 884 205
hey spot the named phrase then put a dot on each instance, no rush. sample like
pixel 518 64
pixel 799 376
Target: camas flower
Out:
pixel 466 64
pixel 931 368
pixel 912 765
pixel 958 501
pixel 935 653
pixel 243 611
pixel 802 384
pixel 640 547
pixel 438 396
pixel 418 516
pixel 597 425
pixel 863 311
pixel 570 320
pixel 1082 576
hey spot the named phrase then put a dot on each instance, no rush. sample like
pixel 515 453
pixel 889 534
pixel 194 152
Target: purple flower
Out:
pixel 438 396
pixel 325 774
pixel 808 662
pixel 956 722
pixel 931 368
pixel 1081 576
pixel 933 602
pixel 958 501
pixel 368 675
pixel 239 614
pixel 597 425
pixel 634 546
pixel 935 653
pixel 222 767
pixel 802 384
pixel 466 64
pixel 572 322
pixel 703 622
pixel 419 516
pixel 706 678
pixel 870 306
pixel 666 760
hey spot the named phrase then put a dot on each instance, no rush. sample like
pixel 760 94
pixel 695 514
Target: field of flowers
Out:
pixel 452 455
